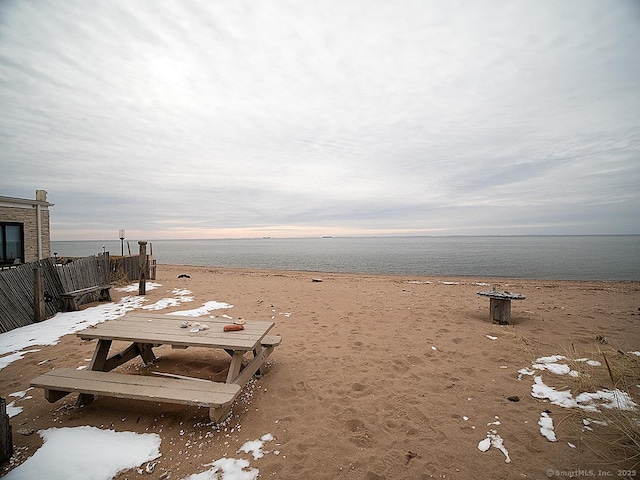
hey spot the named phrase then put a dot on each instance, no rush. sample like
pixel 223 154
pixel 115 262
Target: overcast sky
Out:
pixel 238 118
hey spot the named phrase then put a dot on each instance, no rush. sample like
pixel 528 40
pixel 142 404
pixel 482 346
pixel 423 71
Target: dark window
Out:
pixel 11 243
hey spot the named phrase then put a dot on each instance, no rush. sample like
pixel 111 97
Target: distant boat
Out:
pixel 327 236
pixel 265 238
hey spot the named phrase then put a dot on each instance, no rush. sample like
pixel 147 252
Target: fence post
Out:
pixel 106 265
pixel 38 294
pixel 6 439
pixel 142 264
pixel 152 263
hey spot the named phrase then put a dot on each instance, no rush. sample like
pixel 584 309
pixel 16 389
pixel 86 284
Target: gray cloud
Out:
pixel 200 119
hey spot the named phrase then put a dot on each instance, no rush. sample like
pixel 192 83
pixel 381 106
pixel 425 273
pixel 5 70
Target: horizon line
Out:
pixel 328 237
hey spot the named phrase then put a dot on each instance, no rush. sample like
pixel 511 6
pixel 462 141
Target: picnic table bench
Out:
pixel 147 332
pixel 60 382
pixel 500 305
pixel 71 300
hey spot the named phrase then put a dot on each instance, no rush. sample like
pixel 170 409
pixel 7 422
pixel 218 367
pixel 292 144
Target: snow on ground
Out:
pixel 608 399
pixel 255 447
pixel 12 408
pixel 234 468
pixel 182 296
pixel 591 363
pixel 85 452
pixel 227 469
pixel 12 357
pixel 551 364
pixel 562 398
pixel 205 309
pixel 587 401
pixel 546 427
pixel 494 440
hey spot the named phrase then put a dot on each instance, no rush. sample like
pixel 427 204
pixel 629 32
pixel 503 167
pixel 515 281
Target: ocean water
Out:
pixel 615 257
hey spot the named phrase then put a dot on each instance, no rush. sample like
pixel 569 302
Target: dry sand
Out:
pixel 374 378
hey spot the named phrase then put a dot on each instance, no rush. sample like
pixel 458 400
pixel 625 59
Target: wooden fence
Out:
pixel 127 268
pixel 84 272
pixel 18 287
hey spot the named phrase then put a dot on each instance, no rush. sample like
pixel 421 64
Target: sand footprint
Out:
pixel 302 389
pixel 358 433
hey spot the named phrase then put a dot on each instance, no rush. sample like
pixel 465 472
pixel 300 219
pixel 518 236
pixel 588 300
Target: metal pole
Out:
pixel 121 236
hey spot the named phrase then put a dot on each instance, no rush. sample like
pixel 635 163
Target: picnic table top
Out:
pixel 502 295
pixel 160 329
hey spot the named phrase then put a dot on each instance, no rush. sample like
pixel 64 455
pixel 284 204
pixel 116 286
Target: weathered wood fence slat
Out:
pixel 17 299
pixel 127 268
pixel 17 292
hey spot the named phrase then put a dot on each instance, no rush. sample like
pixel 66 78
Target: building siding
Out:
pixel 25 213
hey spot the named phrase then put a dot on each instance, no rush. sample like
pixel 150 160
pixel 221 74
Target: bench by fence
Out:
pixel 203 393
pixel 23 300
pixel 35 291
pixel 73 299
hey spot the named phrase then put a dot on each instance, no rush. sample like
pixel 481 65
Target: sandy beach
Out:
pixel 379 377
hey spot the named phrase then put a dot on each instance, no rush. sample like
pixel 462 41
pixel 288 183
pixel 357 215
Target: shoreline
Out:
pixel 378 376
pixel 486 278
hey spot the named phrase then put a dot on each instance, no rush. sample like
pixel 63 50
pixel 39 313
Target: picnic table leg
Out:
pixel 255 354
pixel 98 362
pixel 143 350
pixel 252 367
pixel 99 359
pixel 146 353
pixel 219 414
pixel 236 363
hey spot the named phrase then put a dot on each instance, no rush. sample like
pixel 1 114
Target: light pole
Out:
pixel 122 242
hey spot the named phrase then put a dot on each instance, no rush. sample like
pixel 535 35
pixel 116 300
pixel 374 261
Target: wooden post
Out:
pixel 142 266
pixel 107 267
pixel 500 310
pixel 152 263
pixel 38 294
pixel 6 438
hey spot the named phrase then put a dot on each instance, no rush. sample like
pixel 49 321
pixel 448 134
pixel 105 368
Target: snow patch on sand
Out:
pixel 85 452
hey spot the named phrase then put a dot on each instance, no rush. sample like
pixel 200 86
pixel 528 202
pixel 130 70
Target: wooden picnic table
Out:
pixel 500 305
pixel 147 331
